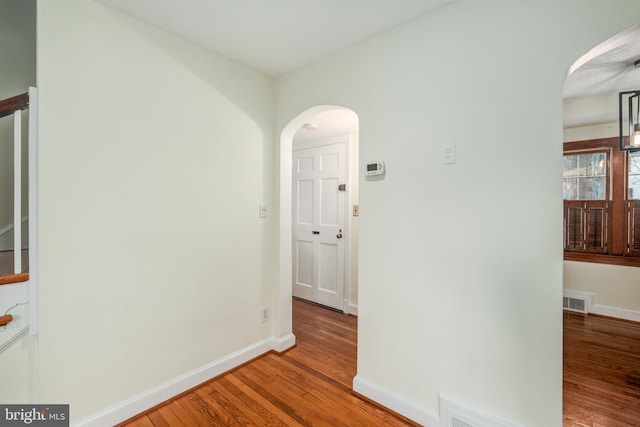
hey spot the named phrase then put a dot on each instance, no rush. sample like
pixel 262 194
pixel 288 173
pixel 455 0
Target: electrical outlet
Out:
pixel 448 154
pixel 264 314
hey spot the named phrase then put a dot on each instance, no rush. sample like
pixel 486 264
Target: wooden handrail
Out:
pixel 4 320
pixel 10 105
pixel 14 278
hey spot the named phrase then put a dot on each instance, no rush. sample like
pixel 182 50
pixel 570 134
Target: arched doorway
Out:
pixel 605 287
pixel 324 122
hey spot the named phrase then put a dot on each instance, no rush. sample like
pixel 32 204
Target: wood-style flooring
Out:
pixel 309 385
pixel 601 382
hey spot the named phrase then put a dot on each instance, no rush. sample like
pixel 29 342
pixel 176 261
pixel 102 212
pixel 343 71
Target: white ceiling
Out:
pixel 608 68
pixel 275 36
pixel 329 124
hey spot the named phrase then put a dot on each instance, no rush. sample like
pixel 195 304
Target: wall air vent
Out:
pixel 577 301
pixel 457 414
pixel 456 422
pixel 573 304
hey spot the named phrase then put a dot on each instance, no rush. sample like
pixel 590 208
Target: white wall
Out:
pixel 614 288
pixel 154 157
pixel 582 133
pixel 17 46
pixel 18 372
pixel 590 117
pixel 448 304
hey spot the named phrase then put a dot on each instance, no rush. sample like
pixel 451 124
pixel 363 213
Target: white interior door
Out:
pixel 319 223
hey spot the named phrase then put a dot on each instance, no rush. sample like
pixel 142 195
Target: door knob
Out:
pixel 339 235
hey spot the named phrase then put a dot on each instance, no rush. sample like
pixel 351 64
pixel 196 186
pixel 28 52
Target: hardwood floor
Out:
pixel 309 385
pixel 601 372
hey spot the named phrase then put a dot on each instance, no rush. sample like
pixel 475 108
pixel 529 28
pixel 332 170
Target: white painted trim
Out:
pixel 5 230
pixel 13 299
pixel 283 343
pixel 15 337
pixel 412 410
pixel 34 273
pixel 350 308
pixel 321 142
pixel 619 313
pixel 17 189
pixel 346 289
pixel 137 404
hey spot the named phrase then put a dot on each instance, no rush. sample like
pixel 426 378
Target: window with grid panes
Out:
pixel 601 192
pixel 585 183
pixel 633 204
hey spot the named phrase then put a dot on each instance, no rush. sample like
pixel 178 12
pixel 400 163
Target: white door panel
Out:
pixel 305 202
pixel 328 259
pixel 305 164
pixel 318 223
pixel 305 263
pixel 329 202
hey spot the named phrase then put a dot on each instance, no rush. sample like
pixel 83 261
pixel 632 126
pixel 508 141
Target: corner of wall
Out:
pixel 400 404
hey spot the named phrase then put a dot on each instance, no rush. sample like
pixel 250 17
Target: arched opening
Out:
pixel 599 198
pixel 324 124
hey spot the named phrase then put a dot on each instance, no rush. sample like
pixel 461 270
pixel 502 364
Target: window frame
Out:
pixel 618 204
pixel 607 152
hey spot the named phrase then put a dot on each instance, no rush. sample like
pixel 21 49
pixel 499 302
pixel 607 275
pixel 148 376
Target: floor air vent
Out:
pixel 577 301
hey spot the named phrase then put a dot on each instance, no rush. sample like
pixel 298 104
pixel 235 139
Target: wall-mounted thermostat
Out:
pixel 374 168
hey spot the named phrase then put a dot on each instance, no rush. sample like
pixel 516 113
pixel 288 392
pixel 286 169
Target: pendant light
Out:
pixel 629 115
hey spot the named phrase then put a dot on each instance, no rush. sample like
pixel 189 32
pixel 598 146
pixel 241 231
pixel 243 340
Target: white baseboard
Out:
pixel 349 308
pixel 152 397
pixel 412 410
pixel 620 313
pixel 283 343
